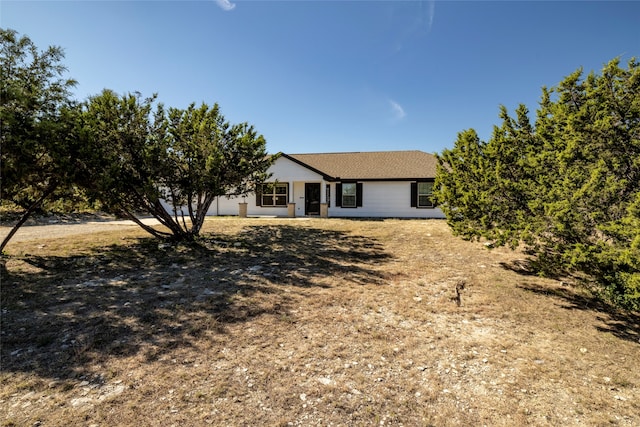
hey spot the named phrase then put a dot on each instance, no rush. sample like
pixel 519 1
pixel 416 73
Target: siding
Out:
pixel 285 170
pixel 390 199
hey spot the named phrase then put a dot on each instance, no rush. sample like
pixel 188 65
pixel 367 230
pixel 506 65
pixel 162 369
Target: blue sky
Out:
pixel 330 76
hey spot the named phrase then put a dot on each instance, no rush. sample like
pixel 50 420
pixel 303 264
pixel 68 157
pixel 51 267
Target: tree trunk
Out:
pixel 148 229
pixel 27 214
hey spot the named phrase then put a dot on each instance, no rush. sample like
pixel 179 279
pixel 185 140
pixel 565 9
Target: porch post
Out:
pixel 242 207
pixel 323 191
pixel 291 206
pixel 324 203
pixel 291 199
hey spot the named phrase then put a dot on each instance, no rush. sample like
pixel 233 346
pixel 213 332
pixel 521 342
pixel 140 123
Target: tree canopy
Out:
pixel 37 117
pixel 170 164
pixel 126 151
pixel 566 186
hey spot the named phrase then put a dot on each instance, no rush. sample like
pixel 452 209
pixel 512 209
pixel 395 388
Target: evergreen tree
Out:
pixel 208 158
pixel 567 188
pixel 141 159
pixel 37 121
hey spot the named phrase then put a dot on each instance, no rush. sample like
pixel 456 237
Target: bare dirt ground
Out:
pixel 319 322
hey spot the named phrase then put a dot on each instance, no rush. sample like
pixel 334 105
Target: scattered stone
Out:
pixel 80 401
pixel 303 397
pixel 583 350
pixel 212 292
pixel 325 381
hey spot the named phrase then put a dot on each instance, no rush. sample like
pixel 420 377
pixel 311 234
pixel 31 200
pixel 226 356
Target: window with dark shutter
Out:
pixel 349 194
pixel 425 195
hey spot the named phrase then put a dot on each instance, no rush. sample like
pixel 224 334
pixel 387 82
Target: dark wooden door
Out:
pixel 311 199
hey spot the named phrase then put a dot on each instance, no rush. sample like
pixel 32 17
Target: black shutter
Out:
pixel 259 195
pixel 339 194
pixel 328 195
pixel 359 194
pixel 414 194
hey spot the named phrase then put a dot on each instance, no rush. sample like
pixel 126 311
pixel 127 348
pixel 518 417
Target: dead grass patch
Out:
pixel 319 322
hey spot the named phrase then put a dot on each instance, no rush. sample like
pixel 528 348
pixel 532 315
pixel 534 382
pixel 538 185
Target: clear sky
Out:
pixel 330 76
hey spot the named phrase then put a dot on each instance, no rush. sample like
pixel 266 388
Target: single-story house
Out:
pixel 388 184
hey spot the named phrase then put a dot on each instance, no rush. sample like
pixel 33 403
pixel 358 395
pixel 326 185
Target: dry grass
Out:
pixel 319 322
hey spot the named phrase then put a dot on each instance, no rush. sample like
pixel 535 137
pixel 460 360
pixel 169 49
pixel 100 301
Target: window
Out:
pixel 422 194
pixel 349 195
pixel 274 195
pixel 425 193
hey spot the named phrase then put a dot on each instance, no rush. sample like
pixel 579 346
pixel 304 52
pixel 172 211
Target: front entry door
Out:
pixel 311 199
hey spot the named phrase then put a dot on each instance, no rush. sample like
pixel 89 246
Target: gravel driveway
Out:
pixel 65 229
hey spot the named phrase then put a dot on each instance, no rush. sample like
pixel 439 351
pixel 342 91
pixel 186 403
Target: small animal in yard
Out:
pixel 458 297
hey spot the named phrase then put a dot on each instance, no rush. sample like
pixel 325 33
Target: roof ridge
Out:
pixel 357 152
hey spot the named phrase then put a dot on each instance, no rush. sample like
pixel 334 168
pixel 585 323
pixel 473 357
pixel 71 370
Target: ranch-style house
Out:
pixel 384 184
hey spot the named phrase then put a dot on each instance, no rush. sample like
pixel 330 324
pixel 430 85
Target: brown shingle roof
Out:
pixel 380 165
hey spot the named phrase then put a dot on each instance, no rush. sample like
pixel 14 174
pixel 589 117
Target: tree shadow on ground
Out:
pixel 61 315
pixel 622 324
pixel 533 267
